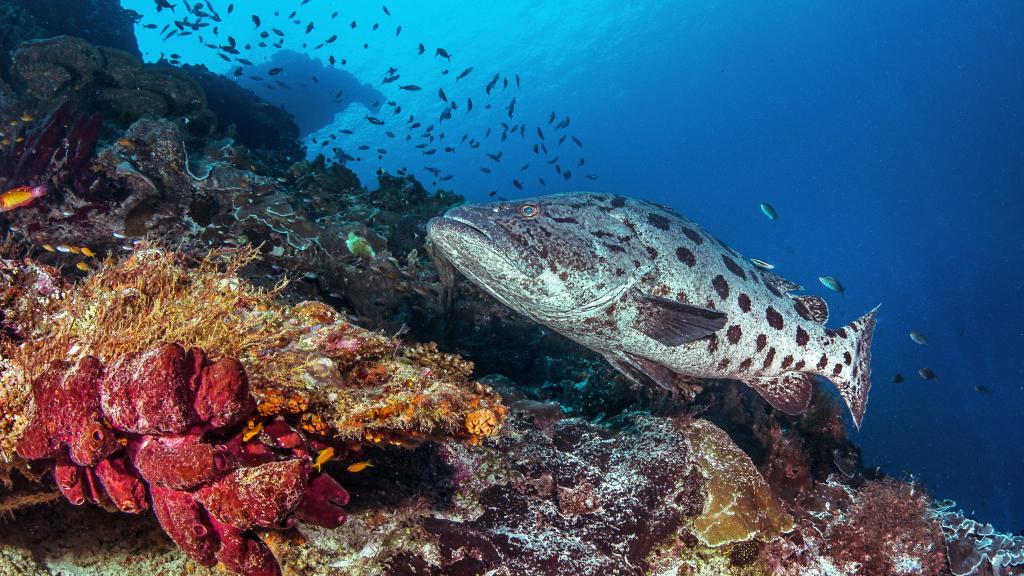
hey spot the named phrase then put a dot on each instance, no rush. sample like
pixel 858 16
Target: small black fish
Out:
pixel 490 85
pixel 353 24
pixel 443 53
pixel 517 80
pixel 517 184
pixel 376 121
pixel 495 157
pixel 421 49
pixel 386 11
pixel 376 25
pixel 398 30
pixel 540 134
pixel 511 107
pixel 244 61
pixel 410 87
pixel 231 8
pixel 331 39
pixel 256 20
pixel 485 170
pixel 464 73
pixel 576 141
pixel 552 118
pixel 161 4
pixel 442 95
pixel 309 28
pixel 982 389
pixel 274 71
pixel 469 104
pixel 928 374
pixel 278 32
pixel 897 378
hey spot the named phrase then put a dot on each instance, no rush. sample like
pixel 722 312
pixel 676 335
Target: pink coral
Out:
pixel 145 430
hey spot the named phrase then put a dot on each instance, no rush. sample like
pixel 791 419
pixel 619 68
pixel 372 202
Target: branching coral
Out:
pixel 212 397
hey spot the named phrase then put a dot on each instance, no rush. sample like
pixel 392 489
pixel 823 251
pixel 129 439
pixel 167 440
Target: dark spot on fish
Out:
pixel 762 341
pixel 614 247
pixel 774 318
pixel 686 257
pixel 787 361
pixel 799 365
pixel 693 235
pixel 618 202
pixel 652 252
pixel 823 362
pixel 723 364
pixel 847 358
pixel 734 267
pixel 566 220
pixel 744 302
pixel 602 234
pixel 712 343
pixel 769 358
pixel 745 364
pixel 734 333
pixel 837 369
pixel 658 221
pixel 721 286
pixel 841 332
pixel 802 337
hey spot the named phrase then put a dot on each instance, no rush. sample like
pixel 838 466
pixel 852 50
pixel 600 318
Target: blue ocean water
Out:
pixel 889 137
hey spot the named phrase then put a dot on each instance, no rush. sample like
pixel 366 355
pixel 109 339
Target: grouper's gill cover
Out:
pixel 656 295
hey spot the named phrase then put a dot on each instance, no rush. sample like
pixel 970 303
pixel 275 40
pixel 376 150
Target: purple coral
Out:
pixel 145 426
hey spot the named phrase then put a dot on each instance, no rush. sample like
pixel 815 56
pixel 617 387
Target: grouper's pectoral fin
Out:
pixel 673 323
pixel 790 392
pixel 638 368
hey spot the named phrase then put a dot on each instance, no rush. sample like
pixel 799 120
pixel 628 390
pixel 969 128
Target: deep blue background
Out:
pixel 889 136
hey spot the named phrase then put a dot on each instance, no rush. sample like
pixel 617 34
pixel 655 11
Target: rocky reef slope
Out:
pixel 208 362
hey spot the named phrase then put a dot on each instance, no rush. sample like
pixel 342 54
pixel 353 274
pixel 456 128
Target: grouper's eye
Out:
pixel 529 211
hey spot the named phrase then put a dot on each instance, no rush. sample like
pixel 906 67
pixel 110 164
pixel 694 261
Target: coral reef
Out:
pixel 218 448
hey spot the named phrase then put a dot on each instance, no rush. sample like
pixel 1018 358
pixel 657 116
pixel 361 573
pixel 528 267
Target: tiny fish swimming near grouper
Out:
pixel 655 294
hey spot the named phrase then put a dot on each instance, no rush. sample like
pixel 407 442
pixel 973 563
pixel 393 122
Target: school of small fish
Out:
pixel 557 152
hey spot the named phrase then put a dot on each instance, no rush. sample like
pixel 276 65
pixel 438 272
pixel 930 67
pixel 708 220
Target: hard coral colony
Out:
pixel 189 391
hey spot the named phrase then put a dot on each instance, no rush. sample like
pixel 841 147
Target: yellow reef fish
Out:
pixel 322 458
pixel 252 428
pixel 359 466
pixel 83 266
pixel 20 196
pixel 49 248
pixel 88 252
pixel 26 117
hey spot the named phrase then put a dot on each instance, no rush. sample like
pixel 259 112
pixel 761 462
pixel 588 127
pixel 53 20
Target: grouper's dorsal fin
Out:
pixel 779 285
pixel 673 323
pixel 813 308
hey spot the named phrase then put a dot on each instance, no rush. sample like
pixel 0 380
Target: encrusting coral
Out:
pixel 155 383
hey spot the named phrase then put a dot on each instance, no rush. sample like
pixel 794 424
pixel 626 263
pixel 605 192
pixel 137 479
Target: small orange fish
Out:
pixel 359 466
pixel 26 117
pixel 49 248
pixel 322 458
pixel 88 252
pixel 20 196
pixel 83 266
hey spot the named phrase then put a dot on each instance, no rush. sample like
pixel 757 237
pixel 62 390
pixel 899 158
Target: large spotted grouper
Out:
pixel 656 294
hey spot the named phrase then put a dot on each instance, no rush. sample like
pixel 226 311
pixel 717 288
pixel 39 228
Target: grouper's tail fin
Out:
pixel 854 381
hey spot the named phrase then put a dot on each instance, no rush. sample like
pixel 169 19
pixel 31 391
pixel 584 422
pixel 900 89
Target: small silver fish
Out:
pixel 762 264
pixel 769 211
pixel 918 337
pixel 832 283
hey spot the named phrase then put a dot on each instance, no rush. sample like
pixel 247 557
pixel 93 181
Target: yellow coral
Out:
pixel 482 422
pixel 739 504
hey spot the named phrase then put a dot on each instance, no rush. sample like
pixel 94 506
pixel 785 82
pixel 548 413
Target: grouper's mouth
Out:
pixel 459 226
